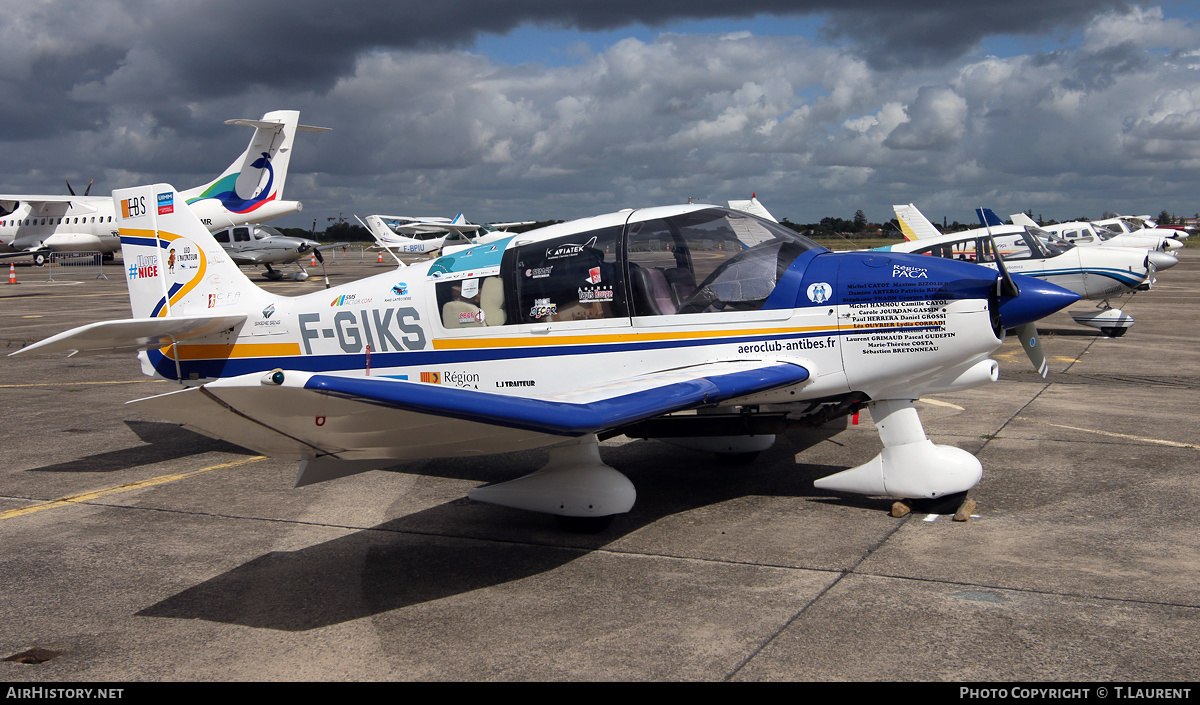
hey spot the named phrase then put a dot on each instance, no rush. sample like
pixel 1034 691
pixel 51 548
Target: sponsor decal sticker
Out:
pixel 820 292
pixel 133 207
pixel 542 308
pixel 589 295
pixel 166 203
pixel 569 249
pixel 431 377
pixel 146 266
pixel 906 272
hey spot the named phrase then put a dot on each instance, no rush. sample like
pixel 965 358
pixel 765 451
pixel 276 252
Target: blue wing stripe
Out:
pixel 556 417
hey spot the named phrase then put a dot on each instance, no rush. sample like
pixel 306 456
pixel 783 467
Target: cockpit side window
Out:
pixel 963 250
pixel 241 234
pixel 222 236
pixel 571 278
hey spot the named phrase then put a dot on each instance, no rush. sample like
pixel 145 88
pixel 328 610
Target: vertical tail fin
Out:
pixel 173 265
pixel 987 218
pixel 256 178
pixel 913 223
pixel 1022 219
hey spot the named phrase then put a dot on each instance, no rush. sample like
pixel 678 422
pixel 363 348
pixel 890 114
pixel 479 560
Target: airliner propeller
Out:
pixel 86 191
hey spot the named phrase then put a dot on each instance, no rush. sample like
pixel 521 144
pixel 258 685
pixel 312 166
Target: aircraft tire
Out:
pixel 737 459
pixel 273 275
pixel 39 260
pixel 1113 332
pixel 584 525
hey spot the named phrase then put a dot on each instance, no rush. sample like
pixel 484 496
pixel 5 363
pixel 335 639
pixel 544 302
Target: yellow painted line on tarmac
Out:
pixel 935 402
pixel 162 479
pixel 1174 444
pixel 77 384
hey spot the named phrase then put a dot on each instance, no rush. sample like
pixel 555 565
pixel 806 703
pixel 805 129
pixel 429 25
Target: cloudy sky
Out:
pixel 538 109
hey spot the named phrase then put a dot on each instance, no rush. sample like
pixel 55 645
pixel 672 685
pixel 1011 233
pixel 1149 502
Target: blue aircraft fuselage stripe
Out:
pixel 556 417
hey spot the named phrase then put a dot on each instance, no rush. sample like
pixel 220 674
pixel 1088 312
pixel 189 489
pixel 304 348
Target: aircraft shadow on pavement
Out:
pixel 462 545
pixel 164 441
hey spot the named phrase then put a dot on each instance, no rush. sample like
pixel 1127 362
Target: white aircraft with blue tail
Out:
pixel 699 324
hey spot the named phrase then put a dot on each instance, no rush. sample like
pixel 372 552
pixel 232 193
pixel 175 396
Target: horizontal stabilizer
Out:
pixel 273 125
pixel 132 334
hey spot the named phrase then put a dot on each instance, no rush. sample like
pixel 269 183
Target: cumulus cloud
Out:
pixel 892 112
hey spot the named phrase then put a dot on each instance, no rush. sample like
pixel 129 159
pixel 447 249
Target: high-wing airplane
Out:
pixel 263 246
pixel 1136 225
pixel 1090 234
pixel 411 235
pixel 1094 273
pixel 621 323
pixel 39 225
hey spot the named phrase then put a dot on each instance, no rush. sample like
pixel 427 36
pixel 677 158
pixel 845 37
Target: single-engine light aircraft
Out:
pixel 249 190
pixel 263 246
pixel 620 323
pixel 1095 273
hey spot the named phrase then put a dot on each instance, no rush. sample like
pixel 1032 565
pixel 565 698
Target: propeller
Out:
pixel 1026 331
pixel 86 191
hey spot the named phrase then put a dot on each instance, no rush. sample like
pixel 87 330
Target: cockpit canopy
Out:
pixel 652 262
pixel 246 233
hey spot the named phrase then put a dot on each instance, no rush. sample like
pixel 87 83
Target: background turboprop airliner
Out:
pixel 39 225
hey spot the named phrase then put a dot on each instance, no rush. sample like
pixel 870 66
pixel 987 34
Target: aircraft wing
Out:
pixel 298 415
pixel 252 256
pixel 9 201
pixel 132 334
pixel 26 253
pixel 415 228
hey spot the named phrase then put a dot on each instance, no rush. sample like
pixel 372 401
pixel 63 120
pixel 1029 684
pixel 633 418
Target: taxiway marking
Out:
pixel 1174 444
pixel 160 480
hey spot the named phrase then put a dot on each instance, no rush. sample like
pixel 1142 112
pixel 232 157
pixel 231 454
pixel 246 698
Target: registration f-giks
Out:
pixel 705 326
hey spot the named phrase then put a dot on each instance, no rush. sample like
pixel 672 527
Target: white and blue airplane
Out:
pixel 249 190
pixel 1095 273
pixel 632 322
pixel 432 234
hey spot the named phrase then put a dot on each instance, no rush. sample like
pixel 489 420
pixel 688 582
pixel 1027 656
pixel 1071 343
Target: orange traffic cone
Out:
pixel 380 260
pixel 12 274
pixel 313 263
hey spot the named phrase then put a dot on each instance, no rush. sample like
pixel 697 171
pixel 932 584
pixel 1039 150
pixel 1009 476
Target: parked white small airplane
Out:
pixel 412 235
pixel 1096 273
pixel 1138 225
pixel 263 246
pixel 39 225
pixel 621 323
pixel 1092 234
